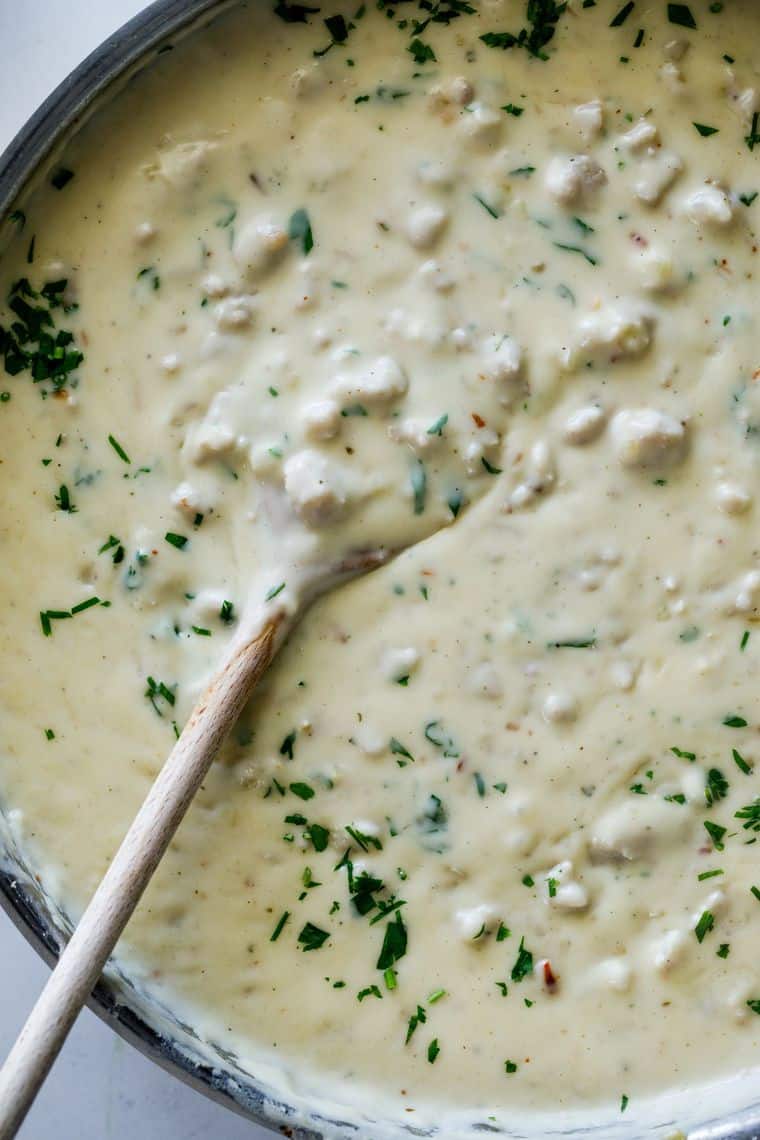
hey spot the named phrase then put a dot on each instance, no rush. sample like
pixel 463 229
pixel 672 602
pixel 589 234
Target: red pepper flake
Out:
pixel 550 980
pixel 639 239
pixel 479 421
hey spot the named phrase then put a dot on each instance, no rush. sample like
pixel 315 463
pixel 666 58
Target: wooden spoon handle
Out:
pixel 110 908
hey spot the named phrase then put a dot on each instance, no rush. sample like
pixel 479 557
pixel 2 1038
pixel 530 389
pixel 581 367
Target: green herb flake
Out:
pixel 419 1017
pixel 621 17
pixel 716 786
pixel 704 925
pixel 61 177
pixel 421 52
pixel 494 211
pixel 510 1067
pixel 489 467
pixel 438 426
pixel 394 943
pixel 159 691
pixel 303 791
pixel 418 479
pixel 299 230
pixel 177 540
pixel 280 926
pixel 523 963
pixel 734 721
pixel 398 749
pixel 275 590
pixel 119 449
pixel 704 130
pixel 286 748
pixel 624 1102
pixel 741 763
pixel 750 815
pixel 63 500
pixel 312 937
pixel 716 833
pixel 294 13
pixel 434 1049
pixel 542 17
pixel 681 14
pixel 369 991
pixel 319 836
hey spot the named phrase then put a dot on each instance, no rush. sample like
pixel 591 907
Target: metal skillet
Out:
pixel 157 1032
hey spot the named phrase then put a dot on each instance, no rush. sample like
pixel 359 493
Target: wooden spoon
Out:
pixel 81 963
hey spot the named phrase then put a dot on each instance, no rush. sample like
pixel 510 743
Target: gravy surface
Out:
pixel 485 843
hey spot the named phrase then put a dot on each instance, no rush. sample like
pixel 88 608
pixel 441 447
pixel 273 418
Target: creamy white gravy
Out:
pixel 485 842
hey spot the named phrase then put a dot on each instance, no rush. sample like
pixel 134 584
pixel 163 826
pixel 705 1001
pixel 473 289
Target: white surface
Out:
pixel 100 1088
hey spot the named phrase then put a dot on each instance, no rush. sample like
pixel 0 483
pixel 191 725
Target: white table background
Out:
pixel 100 1088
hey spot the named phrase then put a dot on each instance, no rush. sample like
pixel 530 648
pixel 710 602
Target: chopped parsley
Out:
pixel 434 1049
pixel 286 748
pixel 621 17
pixel 61 177
pixel 523 963
pixel 492 210
pixel 63 500
pixel 294 13
pixel 418 478
pixel 741 763
pixel 542 17
pixel 32 343
pixel 753 138
pixel 419 1017
pixel 280 926
pixel 299 230
pixel 421 52
pixel 705 924
pixel 734 721
pixel 312 937
pixel 115 544
pixel 716 833
pixel 303 791
pixel 398 749
pixel 394 943
pixel 439 425
pixel 681 14
pixel 750 815
pixel 119 449
pixel 178 540
pixel 716 787
pixel 704 130
pixel 158 691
